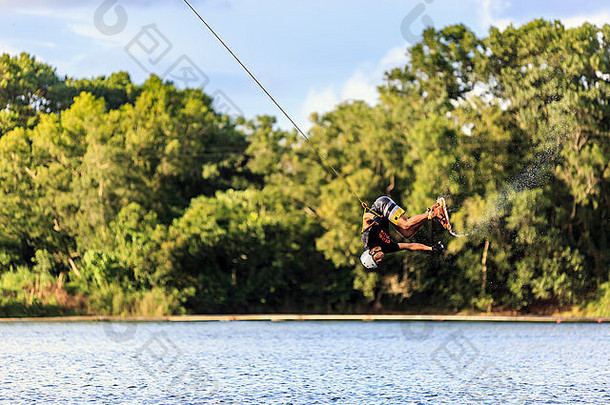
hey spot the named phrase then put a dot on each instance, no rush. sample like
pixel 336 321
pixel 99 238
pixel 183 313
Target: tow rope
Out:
pixel 311 144
pixel 323 158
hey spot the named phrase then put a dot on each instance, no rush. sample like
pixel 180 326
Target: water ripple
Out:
pixel 304 363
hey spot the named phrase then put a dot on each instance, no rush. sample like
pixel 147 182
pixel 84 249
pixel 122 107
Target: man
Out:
pixel 375 229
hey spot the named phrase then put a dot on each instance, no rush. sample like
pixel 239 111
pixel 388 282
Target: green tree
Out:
pixel 27 87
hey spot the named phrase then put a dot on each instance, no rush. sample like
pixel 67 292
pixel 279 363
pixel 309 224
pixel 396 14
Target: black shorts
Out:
pixel 388 209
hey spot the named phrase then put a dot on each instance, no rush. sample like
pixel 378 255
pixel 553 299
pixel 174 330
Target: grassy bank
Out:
pixel 26 293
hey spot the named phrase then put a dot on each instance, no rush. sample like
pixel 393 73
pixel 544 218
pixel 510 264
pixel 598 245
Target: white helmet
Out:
pixel 367 260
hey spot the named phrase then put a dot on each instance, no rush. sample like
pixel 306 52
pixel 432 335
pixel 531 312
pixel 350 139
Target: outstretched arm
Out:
pixel 418 246
pixel 413 246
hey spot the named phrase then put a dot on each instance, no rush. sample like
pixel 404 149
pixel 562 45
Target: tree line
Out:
pixel 118 198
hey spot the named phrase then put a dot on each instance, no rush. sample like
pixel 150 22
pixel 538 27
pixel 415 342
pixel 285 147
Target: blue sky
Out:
pixel 310 54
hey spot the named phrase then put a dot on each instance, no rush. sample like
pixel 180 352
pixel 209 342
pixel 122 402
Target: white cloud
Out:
pixel 598 19
pixel 361 85
pixel 319 101
pixel 491 14
pixel 74 13
pixel 490 10
pixel 396 56
pixel 77 18
pixel 90 31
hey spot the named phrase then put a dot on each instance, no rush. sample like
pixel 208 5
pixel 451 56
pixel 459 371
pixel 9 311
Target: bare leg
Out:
pixel 408 226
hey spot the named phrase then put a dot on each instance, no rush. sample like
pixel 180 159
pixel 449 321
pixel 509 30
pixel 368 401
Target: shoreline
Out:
pixel 312 317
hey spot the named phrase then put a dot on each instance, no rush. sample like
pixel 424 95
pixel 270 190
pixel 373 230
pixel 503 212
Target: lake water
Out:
pixel 304 363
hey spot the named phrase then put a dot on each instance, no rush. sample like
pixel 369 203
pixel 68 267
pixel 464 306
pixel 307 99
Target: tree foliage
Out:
pixel 143 199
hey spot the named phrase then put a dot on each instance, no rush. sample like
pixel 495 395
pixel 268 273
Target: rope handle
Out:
pixel 366 208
